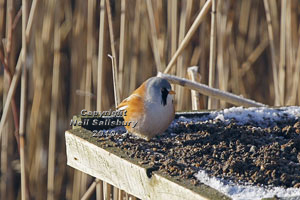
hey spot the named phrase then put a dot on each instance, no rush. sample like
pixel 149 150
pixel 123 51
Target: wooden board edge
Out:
pixel 125 175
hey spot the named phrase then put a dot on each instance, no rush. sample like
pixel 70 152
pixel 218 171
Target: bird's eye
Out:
pixel 164 94
pixel 163 90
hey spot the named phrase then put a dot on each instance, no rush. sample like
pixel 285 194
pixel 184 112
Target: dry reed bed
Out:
pixel 250 48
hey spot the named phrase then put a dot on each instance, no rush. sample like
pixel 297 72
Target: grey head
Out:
pixel 158 90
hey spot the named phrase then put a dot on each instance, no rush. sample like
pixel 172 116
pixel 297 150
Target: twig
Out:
pixel 212 92
pixel 253 57
pixel 111 31
pixel 212 53
pixel 189 34
pixel 113 57
pixel 154 37
pixel 11 92
pixel 31 17
pixel 13 101
pixel 121 52
pixel 13 86
pixel 5 61
pixel 114 70
pixel 17 18
pixel 6 188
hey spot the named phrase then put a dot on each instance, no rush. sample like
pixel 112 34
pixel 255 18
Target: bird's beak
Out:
pixel 172 92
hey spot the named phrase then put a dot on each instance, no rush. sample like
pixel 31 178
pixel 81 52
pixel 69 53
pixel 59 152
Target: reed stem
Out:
pixel 212 54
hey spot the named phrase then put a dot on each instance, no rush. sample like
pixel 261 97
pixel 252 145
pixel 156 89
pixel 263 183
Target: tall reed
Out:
pixel 249 48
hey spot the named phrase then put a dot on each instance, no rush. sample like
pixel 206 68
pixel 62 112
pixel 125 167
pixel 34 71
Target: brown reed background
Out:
pixel 66 45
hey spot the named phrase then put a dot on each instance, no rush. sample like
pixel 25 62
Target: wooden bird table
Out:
pixel 111 164
pixel 257 146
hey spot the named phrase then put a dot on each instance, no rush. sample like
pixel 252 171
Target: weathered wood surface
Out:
pixel 111 165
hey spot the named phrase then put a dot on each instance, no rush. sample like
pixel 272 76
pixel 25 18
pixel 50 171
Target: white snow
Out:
pixel 259 116
pixel 246 192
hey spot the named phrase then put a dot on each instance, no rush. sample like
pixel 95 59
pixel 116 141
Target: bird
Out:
pixel 152 106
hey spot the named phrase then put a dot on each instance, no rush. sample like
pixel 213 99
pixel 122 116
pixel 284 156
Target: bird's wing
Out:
pixel 134 105
pixel 126 102
pixel 135 102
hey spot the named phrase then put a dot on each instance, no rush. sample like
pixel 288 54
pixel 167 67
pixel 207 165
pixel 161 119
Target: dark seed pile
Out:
pixel 244 154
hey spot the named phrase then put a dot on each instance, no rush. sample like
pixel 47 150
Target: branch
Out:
pixel 212 92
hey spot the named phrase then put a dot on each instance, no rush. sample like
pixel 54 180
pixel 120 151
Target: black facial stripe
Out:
pixel 164 95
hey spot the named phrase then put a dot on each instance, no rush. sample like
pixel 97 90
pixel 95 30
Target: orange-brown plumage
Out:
pixel 135 105
pixel 150 108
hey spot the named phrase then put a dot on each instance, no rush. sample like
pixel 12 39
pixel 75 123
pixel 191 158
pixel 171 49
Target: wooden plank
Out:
pixel 112 166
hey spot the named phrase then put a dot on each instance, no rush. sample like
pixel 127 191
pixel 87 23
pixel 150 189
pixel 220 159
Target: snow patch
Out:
pixel 257 116
pixel 246 192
